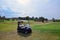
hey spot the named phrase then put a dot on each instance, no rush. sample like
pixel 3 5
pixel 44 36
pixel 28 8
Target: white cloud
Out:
pixel 23 7
pixel 46 1
pixel 23 2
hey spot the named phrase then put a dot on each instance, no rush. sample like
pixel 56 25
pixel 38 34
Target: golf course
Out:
pixel 29 19
pixel 40 31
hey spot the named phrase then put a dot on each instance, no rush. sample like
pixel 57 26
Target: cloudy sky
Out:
pixel 15 8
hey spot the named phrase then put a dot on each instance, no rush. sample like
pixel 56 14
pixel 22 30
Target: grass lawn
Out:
pixel 51 28
pixel 8 26
pixel 48 27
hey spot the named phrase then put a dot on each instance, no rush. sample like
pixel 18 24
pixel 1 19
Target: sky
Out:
pixel 37 8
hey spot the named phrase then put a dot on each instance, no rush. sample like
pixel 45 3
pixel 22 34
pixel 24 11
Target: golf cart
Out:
pixel 25 29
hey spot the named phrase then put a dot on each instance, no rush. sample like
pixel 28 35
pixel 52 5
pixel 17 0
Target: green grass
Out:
pixel 11 25
pixel 51 28
pixel 8 26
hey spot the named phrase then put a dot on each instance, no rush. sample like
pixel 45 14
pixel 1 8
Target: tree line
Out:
pixel 36 19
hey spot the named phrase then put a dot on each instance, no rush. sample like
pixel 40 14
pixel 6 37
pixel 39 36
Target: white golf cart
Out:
pixel 25 29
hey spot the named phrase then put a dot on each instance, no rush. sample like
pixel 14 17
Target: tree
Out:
pixel 32 18
pixel 3 18
pixel 41 19
pixel 53 19
pixel 19 18
pixel 46 19
pixel 36 19
pixel 27 17
pixel 0 17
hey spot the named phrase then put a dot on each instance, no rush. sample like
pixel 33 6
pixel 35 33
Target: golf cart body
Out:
pixel 24 28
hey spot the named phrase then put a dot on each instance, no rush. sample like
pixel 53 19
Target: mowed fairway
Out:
pixel 40 31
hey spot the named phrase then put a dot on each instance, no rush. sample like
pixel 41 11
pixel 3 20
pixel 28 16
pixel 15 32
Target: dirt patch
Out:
pixel 34 36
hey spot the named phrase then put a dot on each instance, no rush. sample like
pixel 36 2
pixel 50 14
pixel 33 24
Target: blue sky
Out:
pixel 15 8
